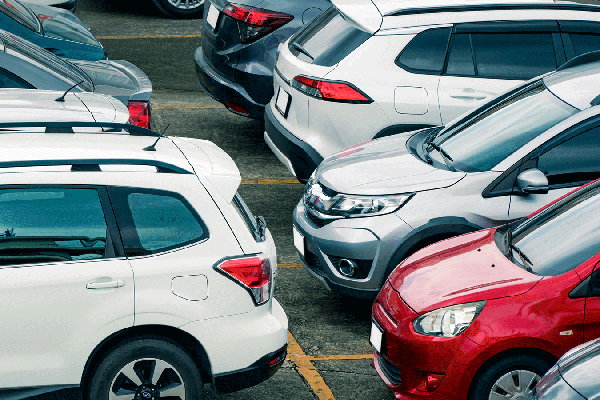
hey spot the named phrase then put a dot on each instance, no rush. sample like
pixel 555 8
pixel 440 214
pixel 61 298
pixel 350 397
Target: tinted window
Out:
pixel 460 59
pixel 328 39
pixel 542 238
pixel 573 162
pixel 513 55
pixel 585 43
pixel 155 221
pixel 426 53
pixel 23 15
pixel 51 225
pixel 498 129
pixel 8 80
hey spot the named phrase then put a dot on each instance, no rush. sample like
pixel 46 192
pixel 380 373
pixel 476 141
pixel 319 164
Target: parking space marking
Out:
pixel 289 266
pixel 308 371
pixel 147 37
pixel 334 357
pixel 288 181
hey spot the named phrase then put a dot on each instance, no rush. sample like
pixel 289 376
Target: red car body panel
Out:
pixel 523 311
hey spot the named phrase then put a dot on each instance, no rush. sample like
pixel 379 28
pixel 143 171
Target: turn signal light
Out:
pixel 255 22
pixel 252 273
pixel 329 90
pixel 139 113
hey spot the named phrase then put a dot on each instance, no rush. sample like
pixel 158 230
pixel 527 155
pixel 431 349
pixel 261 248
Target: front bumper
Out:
pixel 370 242
pixel 300 158
pixel 224 91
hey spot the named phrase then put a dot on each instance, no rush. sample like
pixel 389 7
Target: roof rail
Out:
pixel 67 127
pixel 91 164
pixel 499 6
pixel 586 58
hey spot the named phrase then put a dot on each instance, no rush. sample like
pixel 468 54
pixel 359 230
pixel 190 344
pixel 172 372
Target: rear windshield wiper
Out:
pixel 302 50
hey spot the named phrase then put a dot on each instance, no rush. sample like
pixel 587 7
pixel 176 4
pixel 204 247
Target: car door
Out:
pixel 487 59
pixel 568 161
pixel 64 285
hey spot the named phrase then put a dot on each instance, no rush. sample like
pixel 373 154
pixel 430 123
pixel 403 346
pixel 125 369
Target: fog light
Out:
pixel 428 382
pixel 348 268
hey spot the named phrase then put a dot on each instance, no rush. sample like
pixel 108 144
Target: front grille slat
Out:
pixel 391 372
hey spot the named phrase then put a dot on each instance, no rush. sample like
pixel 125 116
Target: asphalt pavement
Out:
pixel 329 353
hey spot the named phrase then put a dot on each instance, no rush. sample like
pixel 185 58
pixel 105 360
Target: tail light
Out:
pixel 254 23
pixel 252 273
pixel 328 90
pixel 139 113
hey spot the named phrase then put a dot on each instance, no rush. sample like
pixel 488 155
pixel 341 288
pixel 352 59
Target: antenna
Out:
pixel 151 148
pixel 62 98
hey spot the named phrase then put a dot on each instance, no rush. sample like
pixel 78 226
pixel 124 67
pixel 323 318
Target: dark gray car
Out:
pixel 239 47
pixel 26 65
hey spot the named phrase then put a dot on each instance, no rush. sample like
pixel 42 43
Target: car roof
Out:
pixel 578 86
pixel 387 7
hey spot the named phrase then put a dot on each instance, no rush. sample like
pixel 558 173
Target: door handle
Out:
pixel 468 95
pixel 105 285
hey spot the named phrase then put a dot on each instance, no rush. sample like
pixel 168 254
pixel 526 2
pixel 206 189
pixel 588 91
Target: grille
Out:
pixel 364 266
pixel 314 263
pixel 390 370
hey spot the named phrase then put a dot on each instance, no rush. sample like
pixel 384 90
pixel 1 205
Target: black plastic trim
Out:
pixel 401 128
pixel 581 291
pixel 488 7
pixel 507 26
pixel 163 166
pixel 579 26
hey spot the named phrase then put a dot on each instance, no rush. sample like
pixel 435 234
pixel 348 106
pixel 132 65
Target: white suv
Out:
pixel 365 69
pixel 132 270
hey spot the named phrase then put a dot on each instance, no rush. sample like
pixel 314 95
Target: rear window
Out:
pixel 30 51
pixel 327 39
pixel 585 43
pixel 18 12
pixel 426 53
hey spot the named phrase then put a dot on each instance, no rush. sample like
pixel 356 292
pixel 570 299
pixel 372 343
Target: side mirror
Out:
pixel 532 181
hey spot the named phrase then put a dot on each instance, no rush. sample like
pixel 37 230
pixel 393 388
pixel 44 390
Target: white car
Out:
pixel 363 70
pixel 130 266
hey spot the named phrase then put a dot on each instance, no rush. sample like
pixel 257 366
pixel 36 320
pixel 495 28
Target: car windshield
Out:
pixel 497 130
pixel 36 55
pixel 20 13
pixel 561 237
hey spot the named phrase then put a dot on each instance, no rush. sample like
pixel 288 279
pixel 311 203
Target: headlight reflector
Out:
pixel 448 321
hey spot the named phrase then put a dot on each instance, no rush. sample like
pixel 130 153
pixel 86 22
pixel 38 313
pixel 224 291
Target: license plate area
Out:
pixel 376 336
pixel 298 241
pixel 213 17
pixel 282 102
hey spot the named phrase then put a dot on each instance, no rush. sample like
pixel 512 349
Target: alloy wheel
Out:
pixel 147 379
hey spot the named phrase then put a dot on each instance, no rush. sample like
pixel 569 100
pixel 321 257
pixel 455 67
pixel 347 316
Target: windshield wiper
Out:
pixel 441 150
pixel 302 50
pixel 523 258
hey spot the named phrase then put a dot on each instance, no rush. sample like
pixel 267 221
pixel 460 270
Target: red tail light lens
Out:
pixel 252 273
pixel 331 91
pixel 139 113
pixel 255 22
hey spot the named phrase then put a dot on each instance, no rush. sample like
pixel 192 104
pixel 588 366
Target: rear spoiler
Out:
pixel 361 13
pixel 141 80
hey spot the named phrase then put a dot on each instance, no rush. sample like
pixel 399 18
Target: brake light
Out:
pixel 139 113
pixel 252 273
pixel 254 23
pixel 331 91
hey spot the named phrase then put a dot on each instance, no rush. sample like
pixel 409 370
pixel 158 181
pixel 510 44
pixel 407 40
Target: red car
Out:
pixel 486 314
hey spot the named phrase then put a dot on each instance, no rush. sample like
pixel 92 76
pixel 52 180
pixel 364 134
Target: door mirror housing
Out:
pixel 532 181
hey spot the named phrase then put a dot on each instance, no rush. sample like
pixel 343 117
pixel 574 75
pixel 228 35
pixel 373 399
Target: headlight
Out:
pixel 448 321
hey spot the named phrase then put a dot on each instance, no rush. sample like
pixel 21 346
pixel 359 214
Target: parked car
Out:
pixel 129 265
pixel 25 65
pixel 573 377
pixel 56 30
pixel 70 5
pixel 365 70
pixel 370 206
pixel 490 312
pixel 239 48
pixel 180 8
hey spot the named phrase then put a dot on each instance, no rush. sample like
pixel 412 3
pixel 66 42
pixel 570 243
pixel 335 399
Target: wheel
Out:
pixel 180 8
pixel 511 378
pixel 146 369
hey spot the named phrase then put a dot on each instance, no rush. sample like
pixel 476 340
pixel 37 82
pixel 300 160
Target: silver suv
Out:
pixel 370 206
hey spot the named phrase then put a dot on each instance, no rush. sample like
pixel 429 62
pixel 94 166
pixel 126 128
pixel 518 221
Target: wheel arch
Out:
pixel 187 342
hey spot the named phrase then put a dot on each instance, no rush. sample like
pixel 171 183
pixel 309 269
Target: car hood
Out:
pixel 63 24
pixel 383 166
pixel 579 368
pixel 460 270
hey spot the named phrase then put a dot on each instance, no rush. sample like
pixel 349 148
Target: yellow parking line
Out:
pixel 270 182
pixel 147 37
pixel 308 371
pixel 289 265
pixel 186 107
pixel 340 357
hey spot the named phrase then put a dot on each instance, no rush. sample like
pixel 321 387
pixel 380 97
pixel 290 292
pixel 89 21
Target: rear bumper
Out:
pixel 225 91
pixel 302 158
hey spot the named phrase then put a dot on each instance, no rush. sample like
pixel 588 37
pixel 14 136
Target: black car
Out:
pixel 239 47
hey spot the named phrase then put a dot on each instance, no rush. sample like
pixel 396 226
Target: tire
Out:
pixel 178 9
pixel 165 367
pixel 517 375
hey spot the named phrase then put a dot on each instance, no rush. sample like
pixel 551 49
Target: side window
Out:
pixel 426 53
pixel 8 80
pixel 155 221
pixel 573 162
pixel 39 225
pixel 583 43
pixel 460 58
pixel 513 55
